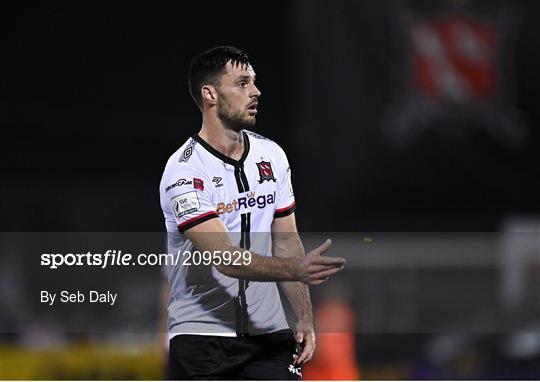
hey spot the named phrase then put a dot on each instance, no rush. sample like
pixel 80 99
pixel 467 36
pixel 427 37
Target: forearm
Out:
pixel 257 268
pixel 289 245
pixel 260 268
pixel 312 269
pixel 298 295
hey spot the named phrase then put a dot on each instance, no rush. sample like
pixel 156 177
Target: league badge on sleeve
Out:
pixel 265 171
pixel 185 204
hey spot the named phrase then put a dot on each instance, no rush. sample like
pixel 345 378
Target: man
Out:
pixel 229 211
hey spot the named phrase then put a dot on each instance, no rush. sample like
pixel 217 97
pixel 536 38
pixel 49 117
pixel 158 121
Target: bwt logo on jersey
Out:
pixel 178 183
pixel 248 201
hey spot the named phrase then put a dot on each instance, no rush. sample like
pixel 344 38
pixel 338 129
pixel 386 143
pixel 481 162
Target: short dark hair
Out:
pixel 206 67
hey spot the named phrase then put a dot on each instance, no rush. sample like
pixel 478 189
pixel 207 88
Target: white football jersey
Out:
pixel 199 183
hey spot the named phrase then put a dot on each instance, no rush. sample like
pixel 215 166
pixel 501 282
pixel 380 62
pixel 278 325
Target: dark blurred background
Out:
pixel 94 100
pixel 396 116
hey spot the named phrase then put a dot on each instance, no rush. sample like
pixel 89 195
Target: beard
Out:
pixel 235 121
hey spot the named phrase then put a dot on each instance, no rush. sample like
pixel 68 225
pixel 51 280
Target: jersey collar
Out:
pixel 224 158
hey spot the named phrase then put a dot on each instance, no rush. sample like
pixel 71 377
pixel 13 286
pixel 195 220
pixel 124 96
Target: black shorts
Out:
pixel 266 356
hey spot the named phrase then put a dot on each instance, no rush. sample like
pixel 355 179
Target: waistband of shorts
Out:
pixel 217 330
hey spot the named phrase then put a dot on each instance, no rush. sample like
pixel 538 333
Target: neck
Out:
pixel 228 142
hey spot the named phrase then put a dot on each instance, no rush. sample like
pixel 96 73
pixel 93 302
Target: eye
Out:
pixel 243 84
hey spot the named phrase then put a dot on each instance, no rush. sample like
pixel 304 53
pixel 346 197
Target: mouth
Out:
pixel 253 107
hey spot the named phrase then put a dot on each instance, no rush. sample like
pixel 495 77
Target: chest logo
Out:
pixel 248 202
pixel 265 171
pixel 217 181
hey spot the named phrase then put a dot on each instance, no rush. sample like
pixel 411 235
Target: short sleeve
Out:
pixel 285 195
pixel 186 196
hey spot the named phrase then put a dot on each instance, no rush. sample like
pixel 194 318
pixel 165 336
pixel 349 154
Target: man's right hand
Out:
pixel 314 269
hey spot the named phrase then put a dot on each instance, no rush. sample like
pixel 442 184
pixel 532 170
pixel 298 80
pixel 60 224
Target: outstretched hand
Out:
pixel 315 269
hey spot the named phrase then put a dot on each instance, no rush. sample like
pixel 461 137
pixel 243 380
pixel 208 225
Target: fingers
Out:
pixel 325 273
pixel 321 249
pixel 332 261
pixel 321 277
pixel 312 269
pixel 307 351
pixel 317 273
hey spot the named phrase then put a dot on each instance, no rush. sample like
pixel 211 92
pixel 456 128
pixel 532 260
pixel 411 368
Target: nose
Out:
pixel 255 92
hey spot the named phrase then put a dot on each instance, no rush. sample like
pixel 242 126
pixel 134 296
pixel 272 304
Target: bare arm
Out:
pixel 212 236
pixel 287 244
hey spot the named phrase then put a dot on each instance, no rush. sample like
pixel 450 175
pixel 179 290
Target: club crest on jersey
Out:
pixel 265 171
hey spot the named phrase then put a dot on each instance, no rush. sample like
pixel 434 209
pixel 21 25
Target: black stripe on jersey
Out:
pixel 241 178
pixel 245 242
pixel 243 186
pixel 242 322
pixel 239 182
pixel 247 239
pixel 241 303
pixel 243 227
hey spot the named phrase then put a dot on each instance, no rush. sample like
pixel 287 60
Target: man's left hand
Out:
pixel 305 338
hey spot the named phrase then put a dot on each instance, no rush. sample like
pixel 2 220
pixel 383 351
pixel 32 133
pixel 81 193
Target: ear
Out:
pixel 209 94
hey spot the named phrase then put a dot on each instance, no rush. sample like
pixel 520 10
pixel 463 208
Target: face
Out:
pixel 238 96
